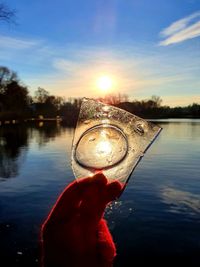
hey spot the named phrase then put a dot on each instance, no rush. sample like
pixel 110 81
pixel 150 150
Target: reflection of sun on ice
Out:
pixel 104 83
pixel 103 147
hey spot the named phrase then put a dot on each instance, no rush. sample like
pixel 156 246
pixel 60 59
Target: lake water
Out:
pixel 156 220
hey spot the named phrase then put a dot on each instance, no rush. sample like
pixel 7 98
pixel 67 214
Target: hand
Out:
pixel 75 233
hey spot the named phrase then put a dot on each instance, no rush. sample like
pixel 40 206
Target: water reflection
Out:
pixel 45 132
pixel 180 128
pixel 15 141
pixel 158 213
pixel 13 145
pixel 181 201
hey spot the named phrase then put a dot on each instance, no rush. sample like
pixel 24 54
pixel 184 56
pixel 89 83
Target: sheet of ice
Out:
pixel 109 139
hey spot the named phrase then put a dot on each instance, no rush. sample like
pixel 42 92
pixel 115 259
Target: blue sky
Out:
pixel 146 47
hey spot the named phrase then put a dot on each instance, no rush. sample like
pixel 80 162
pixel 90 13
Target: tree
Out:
pixel 45 104
pixel 194 109
pixel 6 14
pixel 16 97
pixel 114 99
pixel 58 102
pixel 157 100
pixel 41 95
pixel 6 76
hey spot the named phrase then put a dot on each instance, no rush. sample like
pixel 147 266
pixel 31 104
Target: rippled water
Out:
pixel 156 220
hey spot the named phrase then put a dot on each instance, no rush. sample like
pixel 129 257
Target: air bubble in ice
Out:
pixel 87 121
pixel 139 128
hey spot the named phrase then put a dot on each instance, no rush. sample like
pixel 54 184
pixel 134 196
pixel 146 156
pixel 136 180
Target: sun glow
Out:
pixel 104 147
pixel 104 83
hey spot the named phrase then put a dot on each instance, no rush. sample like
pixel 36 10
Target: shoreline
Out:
pixel 61 120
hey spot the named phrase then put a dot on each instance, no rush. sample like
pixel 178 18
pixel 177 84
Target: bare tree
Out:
pixel 6 76
pixel 157 100
pixel 41 95
pixel 6 14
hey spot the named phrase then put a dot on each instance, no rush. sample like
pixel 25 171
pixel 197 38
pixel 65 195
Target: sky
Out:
pixel 146 47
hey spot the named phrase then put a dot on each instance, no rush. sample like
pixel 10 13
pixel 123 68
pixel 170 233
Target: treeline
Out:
pixel 151 109
pixel 16 103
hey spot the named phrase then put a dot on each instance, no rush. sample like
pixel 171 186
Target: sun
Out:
pixel 104 83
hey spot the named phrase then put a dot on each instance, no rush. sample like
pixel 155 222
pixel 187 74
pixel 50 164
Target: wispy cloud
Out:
pixel 66 66
pixel 72 70
pixel 181 30
pixel 75 72
pixel 17 43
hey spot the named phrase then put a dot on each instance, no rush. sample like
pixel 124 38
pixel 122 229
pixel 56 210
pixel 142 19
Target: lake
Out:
pixel 156 220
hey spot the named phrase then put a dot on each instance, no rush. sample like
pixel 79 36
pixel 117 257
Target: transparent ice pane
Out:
pixel 109 139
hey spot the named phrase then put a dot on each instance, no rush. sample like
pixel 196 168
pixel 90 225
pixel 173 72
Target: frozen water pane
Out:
pixel 109 139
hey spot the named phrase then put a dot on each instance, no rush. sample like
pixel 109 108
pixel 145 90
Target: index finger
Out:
pixel 69 200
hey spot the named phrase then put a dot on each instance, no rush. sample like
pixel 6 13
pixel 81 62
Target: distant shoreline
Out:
pixel 65 121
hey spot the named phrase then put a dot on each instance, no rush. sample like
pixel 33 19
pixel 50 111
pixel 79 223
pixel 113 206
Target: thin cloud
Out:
pixel 66 66
pixel 72 70
pixel 182 30
pixel 16 43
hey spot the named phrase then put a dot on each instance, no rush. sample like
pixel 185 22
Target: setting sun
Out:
pixel 104 83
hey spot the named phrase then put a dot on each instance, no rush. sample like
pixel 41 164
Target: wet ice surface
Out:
pixel 110 139
pixel 156 218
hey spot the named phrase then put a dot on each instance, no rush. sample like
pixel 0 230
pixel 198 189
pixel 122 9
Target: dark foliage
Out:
pixel 17 104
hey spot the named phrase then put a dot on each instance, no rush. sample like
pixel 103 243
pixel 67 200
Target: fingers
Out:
pixel 96 197
pixel 88 197
pixel 114 190
pixel 94 200
pixel 68 201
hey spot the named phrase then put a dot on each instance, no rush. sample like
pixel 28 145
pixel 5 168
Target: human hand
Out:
pixel 75 233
